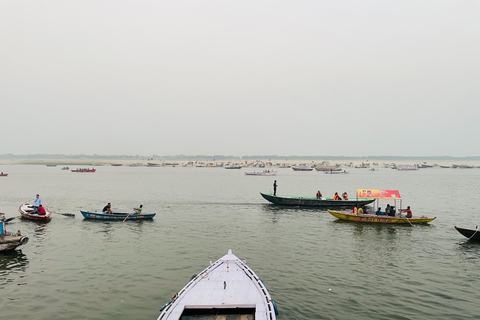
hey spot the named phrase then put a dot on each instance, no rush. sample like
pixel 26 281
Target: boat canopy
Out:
pixel 378 194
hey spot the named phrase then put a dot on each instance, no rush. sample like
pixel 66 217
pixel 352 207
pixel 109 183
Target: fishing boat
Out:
pixel 302 168
pixel 314 201
pixel 116 215
pixel 471 234
pixel 3 174
pixel 233 167
pixel 51 165
pixel 116 164
pixel 10 241
pixel 336 172
pixel 262 173
pixel 372 218
pixel 65 168
pixel 327 168
pixel 227 289
pixel 84 170
pixel 27 212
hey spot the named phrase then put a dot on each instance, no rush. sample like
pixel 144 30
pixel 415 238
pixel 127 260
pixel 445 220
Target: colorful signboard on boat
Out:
pixel 379 194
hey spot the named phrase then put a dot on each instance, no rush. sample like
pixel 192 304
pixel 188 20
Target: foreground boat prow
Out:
pixel 227 287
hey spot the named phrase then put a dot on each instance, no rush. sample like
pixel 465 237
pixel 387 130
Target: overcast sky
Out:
pixel 309 77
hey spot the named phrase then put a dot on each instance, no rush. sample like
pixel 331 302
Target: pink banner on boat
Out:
pixel 379 194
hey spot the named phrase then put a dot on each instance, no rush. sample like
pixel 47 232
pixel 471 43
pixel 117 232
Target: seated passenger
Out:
pixel 139 209
pixel 336 196
pixel 345 196
pixel 360 210
pixel 379 212
pixel 319 195
pixel 41 210
pixel 355 210
pixel 107 209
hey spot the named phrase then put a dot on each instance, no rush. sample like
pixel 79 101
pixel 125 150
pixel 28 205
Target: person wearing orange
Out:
pixel 336 196
pixel 408 212
pixel 355 210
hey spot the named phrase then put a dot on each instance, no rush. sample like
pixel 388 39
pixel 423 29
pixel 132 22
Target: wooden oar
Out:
pixel 128 216
pixel 10 219
pixel 64 214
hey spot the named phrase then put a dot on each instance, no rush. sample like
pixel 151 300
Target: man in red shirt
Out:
pixel 41 210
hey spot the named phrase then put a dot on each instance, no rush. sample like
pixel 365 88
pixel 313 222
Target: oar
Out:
pixel 127 216
pixel 408 221
pixel 64 214
pixel 10 219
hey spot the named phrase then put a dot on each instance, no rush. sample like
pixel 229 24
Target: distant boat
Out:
pixel 116 164
pixel 445 166
pixel 337 172
pixel 227 289
pixel 3 174
pixel 151 164
pixel 51 165
pixel 404 167
pixel 133 165
pixel 262 173
pixel 302 168
pixel 314 201
pixel 65 168
pixel 327 168
pixel 233 167
pixel 84 170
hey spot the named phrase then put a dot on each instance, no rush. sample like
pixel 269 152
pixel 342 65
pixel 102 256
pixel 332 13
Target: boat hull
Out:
pixel 26 210
pixel 313 201
pixel 264 173
pixel 471 234
pixel 227 287
pixel 120 216
pixel 11 242
pixel 369 218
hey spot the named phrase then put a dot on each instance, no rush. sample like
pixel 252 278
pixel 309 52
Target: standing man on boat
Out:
pixel 274 187
pixel 37 202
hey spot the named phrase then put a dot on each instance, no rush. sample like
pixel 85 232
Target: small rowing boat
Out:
pixel 302 168
pixel 116 216
pixel 314 201
pixel 227 289
pixel 372 218
pixel 10 241
pixel 471 234
pixel 262 173
pixel 27 212
pixel 84 170
pixel 3 174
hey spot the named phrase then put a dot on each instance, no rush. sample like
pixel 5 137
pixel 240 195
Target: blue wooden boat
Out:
pixel 116 216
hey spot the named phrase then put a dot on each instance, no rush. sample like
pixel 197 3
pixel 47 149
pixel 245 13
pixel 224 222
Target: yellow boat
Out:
pixel 378 219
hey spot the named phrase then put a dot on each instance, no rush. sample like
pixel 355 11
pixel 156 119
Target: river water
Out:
pixel 313 265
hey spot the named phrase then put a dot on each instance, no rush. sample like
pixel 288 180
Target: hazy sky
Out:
pixel 309 77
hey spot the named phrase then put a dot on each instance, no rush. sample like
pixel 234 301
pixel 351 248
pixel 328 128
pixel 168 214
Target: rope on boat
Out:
pixel 474 234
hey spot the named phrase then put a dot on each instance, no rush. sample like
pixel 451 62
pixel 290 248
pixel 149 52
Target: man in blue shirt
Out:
pixel 37 202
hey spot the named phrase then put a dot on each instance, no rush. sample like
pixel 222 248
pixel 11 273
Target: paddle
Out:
pixel 10 219
pixel 128 216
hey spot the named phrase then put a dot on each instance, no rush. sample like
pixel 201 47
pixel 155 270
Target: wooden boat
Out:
pixel 227 289
pixel 407 167
pixel 65 168
pixel 262 173
pixel 327 168
pixel 314 202
pixel 116 164
pixel 471 234
pixel 336 172
pixel 233 167
pixel 302 168
pixel 372 218
pixel 27 212
pixel 51 165
pixel 84 170
pixel 10 241
pixel 116 216
pixel 3 174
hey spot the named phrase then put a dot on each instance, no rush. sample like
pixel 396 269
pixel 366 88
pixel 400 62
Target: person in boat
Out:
pixel 408 212
pixel 108 209
pixel 345 196
pixel 336 196
pixel 387 209
pixel 319 195
pixel 139 209
pixel 41 210
pixel 360 210
pixel 379 212
pixel 355 210
pixel 391 213
pixel 274 187
pixel 37 202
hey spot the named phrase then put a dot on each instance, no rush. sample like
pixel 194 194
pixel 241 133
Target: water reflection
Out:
pixel 469 250
pixel 11 262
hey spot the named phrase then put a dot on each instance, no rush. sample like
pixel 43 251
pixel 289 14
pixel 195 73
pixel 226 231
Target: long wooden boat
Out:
pixel 327 168
pixel 227 289
pixel 10 241
pixel 116 216
pixel 302 168
pixel 84 170
pixel 471 234
pixel 262 173
pixel 372 218
pixel 116 164
pixel 27 212
pixel 314 202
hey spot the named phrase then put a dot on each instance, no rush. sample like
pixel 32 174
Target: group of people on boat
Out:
pixel 337 197
pixel 38 207
pixel 389 211
pixel 359 210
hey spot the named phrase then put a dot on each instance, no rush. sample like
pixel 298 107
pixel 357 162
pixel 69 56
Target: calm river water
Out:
pixel 314 266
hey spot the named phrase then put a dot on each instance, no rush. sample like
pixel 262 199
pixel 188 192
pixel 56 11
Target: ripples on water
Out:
pixel 314 266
